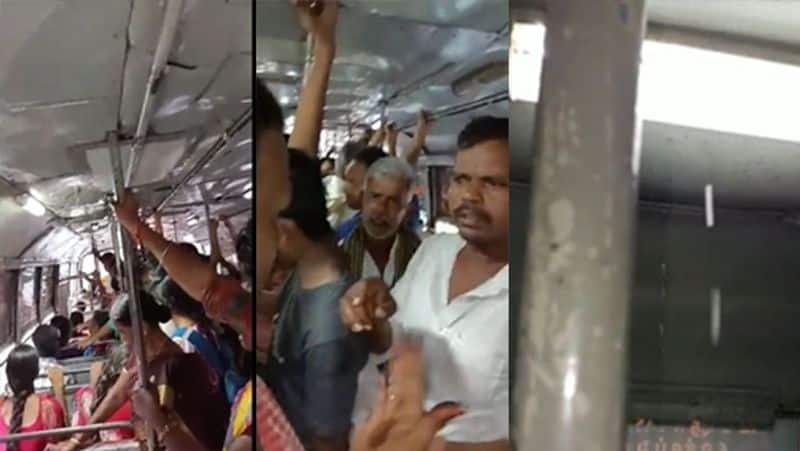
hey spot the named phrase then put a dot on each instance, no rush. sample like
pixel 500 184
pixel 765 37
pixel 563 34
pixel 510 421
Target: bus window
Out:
pixel 8 280
pixel 26 302
pixel 46 306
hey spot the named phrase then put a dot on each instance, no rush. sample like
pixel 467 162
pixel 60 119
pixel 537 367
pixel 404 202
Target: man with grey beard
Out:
pixel 381 245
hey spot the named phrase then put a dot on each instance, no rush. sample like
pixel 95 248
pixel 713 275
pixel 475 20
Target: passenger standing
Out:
pixel 454 286
pixel 315 360
pixel 381 244
pixel 356 170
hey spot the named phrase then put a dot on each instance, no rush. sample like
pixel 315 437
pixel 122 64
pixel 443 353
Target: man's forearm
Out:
pixel 308 117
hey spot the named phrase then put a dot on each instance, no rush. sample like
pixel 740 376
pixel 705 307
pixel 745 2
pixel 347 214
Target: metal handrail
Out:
pixel 66 431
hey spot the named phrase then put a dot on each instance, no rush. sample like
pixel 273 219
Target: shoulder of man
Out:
pixel 437 243
pixel 323 318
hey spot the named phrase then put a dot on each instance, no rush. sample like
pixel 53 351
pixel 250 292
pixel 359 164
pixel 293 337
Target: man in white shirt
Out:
pixel 454 296
pixel 381 245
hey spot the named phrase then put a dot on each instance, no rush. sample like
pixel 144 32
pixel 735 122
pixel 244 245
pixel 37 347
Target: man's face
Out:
pixel 290 247
pixel 272 195
pixel 478 194
pixel 384 206
pixel 354 175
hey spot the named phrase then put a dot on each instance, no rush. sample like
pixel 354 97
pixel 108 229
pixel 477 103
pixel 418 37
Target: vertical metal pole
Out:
pixel 571 356
pixel 132 287
pixel 207 212
pixel 97 266
pixel 116 242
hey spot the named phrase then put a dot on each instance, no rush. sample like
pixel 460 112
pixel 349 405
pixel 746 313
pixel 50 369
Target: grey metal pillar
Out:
pixel 132 285
pixel 117 244
pixel 97 264
pixel 571 362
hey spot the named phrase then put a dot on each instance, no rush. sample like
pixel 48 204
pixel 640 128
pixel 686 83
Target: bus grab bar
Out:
pixel 65 431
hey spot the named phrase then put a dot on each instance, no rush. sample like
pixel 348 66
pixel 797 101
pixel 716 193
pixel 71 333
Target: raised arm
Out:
pixel 420 134
pixel 185 267
pixel 308 117
pixel 190 271
pixel 216 249
pixel 213 241
pixel 378 137
pixel 391 138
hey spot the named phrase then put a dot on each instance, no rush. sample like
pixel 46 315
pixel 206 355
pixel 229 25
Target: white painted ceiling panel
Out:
pixel 775 20
pixel 64 70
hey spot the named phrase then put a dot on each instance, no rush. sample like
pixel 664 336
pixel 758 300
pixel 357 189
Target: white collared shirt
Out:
pixel 465 343
pixel 370 269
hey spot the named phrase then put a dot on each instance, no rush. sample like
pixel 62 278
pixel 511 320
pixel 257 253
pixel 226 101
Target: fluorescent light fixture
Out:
pixel 525 61
pixel 248 195
pixel 716 315
pixel 687 86
pixel 709 191
pixel 33 206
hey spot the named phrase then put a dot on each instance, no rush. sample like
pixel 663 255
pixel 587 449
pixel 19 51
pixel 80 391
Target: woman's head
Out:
pixel 64 326
pixel 22 367
pixel 47 341
pixel 76 319
pixel 179 302
pixel 151 313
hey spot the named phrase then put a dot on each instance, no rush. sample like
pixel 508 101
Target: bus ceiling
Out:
pixel 437 54
pixel 752 28
pixel 159 76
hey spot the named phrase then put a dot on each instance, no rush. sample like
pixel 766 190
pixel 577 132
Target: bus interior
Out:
pixel 449 59
pixel 166 86
pixel 711 352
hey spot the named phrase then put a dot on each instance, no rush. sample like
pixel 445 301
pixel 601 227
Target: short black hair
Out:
pixel 179 301
pixel 482 129
pixel 369 155
pixel 268 114
pixel 151 311
pixel 46 340
pixel 350 149
pixel 307 208
pixel 76 318
pixel 64 326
